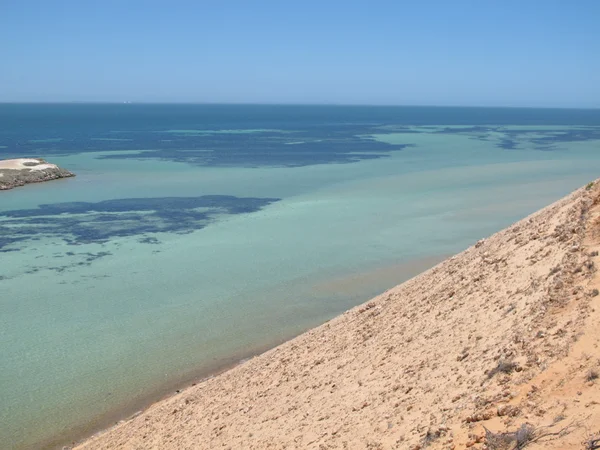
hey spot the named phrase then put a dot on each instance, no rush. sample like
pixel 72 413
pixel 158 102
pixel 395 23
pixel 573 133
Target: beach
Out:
pixel 197 236
pixel 499 337
pixel 299 225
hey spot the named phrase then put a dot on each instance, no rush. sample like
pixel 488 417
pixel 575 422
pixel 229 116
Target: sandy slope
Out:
pixel 416 366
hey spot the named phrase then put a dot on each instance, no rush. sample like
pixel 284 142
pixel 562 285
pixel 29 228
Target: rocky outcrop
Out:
pixel 18 172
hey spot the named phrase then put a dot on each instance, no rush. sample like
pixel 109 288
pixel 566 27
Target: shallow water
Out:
pixel 195 235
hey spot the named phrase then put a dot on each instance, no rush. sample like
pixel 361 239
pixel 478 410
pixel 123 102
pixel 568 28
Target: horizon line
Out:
pixel 191 103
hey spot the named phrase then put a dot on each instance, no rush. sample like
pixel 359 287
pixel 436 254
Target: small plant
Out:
pixel 499 441
pixel 554 270
pixel 528 434
pixel 592 375
pixel 510 440
pixel 504 366
pixel 524 435
pixel 430 438
pixel 592 443
pixel 589 186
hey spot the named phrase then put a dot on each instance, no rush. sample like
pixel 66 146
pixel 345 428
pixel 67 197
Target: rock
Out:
pixel 463 356
pixel 368 306
pixel 508 410
pixel 19 172
pixel 478 417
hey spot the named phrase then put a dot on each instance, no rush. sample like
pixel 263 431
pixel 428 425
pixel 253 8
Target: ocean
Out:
pixel 195 236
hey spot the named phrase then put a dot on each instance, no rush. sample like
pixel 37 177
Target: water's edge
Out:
pixel 132 408
pixel 195 237
pixel 129 411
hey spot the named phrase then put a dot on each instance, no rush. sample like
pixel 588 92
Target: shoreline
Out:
pixel 132 408
pixel 106 422
pixel 429 348
pixel 21 171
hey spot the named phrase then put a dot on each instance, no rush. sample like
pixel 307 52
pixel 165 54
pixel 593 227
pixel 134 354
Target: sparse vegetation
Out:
pixel 592 442
pixel 430 437
pixel 589 186
pixel 499 441
pixel 511 440
pixel 504 366
pixel 527 434
pixel 591 375
pixel 554 270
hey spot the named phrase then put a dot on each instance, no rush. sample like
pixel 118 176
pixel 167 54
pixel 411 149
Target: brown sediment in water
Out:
pixel 501 337
pixel 389 275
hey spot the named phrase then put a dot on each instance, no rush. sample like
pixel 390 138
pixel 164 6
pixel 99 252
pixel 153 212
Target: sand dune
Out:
pixel 503 335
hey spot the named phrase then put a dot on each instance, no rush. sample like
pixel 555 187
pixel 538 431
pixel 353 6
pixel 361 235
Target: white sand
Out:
pixel 19 164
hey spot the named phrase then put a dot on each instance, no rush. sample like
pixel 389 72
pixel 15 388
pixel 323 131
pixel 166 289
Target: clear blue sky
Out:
pixel 419 52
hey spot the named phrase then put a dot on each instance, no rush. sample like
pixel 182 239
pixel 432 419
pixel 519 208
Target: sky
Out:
pixel 533 53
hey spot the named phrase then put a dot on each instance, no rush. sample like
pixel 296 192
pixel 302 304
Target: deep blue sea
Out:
pixel 197 235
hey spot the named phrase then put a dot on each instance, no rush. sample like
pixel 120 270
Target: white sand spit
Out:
pixel 18 172
pixel 26 164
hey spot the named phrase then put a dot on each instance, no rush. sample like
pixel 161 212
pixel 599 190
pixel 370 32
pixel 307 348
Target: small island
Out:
pixel 18 172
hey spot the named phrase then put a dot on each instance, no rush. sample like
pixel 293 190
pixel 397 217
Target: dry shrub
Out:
pixel 527 434
pixel 591 375
pixel 504 366
pixel 592 442
pixel 510 440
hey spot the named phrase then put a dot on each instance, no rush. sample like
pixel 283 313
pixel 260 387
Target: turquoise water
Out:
pixel 193 237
